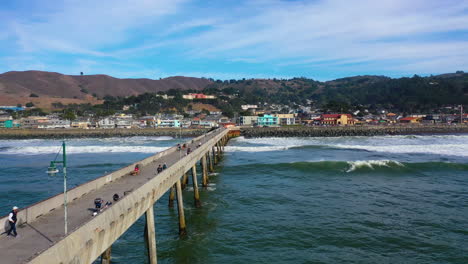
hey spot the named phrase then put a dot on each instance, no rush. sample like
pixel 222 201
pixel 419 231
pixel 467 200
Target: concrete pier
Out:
pixel 42 240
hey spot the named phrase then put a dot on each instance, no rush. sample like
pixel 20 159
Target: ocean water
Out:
pixel 383 199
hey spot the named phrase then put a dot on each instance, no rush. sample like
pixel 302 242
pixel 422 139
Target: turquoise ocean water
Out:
pixel 386 199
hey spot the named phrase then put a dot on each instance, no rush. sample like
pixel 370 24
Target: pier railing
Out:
pixel 35 211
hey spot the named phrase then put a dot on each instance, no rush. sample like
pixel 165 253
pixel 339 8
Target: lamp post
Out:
pixel 52 170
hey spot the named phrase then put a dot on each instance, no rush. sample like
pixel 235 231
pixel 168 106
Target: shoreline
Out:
pixel 338 131
pixel 96 133
pixel 247 132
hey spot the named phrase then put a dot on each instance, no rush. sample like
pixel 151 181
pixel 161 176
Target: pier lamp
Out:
pixel 52 171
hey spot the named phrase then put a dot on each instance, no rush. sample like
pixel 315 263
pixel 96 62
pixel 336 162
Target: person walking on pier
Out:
pixel 159 169
pixel 12 219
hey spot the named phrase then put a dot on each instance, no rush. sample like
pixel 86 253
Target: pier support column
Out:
pixel 218 150
pixel 172 196
pixel 106 256
pixel 150 236
pixel 180 207
pixel 196 195
pixel 184 181
pixel 210 162
pixel 215 161
pixel 204 172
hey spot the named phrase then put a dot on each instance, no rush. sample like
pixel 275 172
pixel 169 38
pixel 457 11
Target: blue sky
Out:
pixel 320 39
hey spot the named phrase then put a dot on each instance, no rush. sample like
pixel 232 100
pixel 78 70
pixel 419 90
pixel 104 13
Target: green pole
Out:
pixel 65 186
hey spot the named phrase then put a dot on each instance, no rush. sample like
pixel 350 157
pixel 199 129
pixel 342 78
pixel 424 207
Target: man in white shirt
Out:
pixel 12 219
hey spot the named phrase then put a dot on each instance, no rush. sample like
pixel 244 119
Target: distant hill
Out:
pixel 415 94
pixel 17 87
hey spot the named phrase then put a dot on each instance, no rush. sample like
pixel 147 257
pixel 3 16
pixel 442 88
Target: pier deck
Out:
pixel 37 236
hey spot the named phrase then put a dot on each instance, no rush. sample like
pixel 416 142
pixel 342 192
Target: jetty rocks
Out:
pixel 338 131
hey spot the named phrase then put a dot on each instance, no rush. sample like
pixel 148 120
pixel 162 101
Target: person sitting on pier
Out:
pixel 136 170
pixel 189 151
pixel 159 169
pixel 98 204
pixel 115 197
pixel 179 147
pixel 164 166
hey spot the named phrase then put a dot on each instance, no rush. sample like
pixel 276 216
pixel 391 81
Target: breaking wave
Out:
pixel 83 149
pixel 372 164
pixel 360 166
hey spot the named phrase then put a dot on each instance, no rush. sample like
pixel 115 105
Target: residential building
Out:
pixel 248 120
pixel 147 121
pixel 107 123
pixel 6 123
pixel 410 120
pixel 192 96
pixel 248 107
pixel 33 121
pixel 81 123
pixel 337 119
pixel 286 119
pixel 169 123
pixel 55 122
pixel 267 120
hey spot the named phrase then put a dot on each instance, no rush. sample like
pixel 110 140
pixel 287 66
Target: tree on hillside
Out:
pixel 68 114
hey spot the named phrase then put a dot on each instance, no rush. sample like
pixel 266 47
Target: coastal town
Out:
pixel 208 116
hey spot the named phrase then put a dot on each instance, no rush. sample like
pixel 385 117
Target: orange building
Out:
pixel 337 119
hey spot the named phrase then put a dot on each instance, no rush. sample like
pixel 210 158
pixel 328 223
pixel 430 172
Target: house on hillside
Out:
pixel 337 119
pixel 192 96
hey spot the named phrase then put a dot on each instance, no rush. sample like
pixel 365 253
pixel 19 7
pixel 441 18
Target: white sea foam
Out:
pixel 36 150
pixel 256 148
pixel 372 164
pixel 453 145
pixel 438 149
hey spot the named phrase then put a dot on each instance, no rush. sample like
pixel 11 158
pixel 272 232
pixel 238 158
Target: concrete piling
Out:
pixel 172 196
pixel 180 207
pixel 196 195
pixel 184 181
pixel 210 162
pixel 213 150
pixel 204 172
pixel 106 256
pixel 150 236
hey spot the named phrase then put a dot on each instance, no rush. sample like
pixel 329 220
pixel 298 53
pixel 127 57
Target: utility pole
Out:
pixel 461 114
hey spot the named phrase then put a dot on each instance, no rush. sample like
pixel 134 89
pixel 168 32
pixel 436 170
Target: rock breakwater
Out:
pixel 351 131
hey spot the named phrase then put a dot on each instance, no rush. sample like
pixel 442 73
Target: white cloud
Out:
pixel 417 36
pixel 87 26
pixel 360 30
